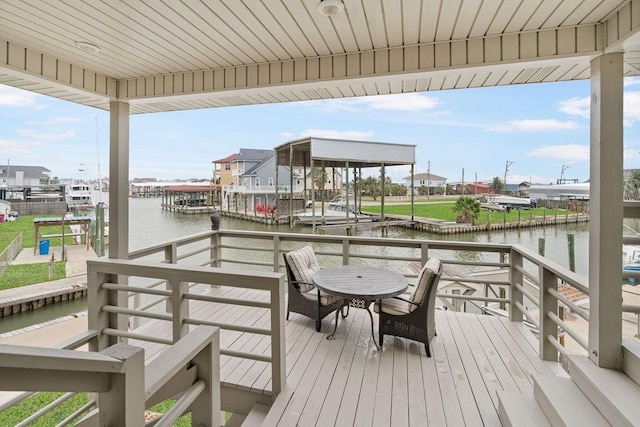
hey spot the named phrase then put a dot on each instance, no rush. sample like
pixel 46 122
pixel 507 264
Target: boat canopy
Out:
pixel 339 152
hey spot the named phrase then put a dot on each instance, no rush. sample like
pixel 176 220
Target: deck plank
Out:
pixel 473 368
pixel 336 396
pixel 528 365
pixel 320 390
pixel 346 381
pixel 417 403
pixel 521 376
pixel 460 375
pixel 444 375
pixel 431 385
pixel 354 378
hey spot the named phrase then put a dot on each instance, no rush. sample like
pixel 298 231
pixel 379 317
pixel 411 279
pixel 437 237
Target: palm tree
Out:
pixel 632 185
pixel 371 187
pixel 320 178
pixel 468 210
pixel 496 185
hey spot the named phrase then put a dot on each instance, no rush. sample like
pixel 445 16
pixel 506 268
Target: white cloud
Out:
pixel 631 107
pixel 11 148
pixel 573 152
pixel 531 125
pixel 48 137
pixel 13 97
pixel 581 106
pixel 336 134
pixel 286 134
pixel 400 102
pixel 576 107
pixel 631 81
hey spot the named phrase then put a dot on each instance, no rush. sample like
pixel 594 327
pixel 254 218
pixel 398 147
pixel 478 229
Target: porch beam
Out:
pixel 605 226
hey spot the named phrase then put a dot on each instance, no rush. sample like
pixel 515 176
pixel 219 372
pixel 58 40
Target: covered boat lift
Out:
pixel 323 152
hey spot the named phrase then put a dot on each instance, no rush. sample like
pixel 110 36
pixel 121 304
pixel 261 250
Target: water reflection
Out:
pixel 149 224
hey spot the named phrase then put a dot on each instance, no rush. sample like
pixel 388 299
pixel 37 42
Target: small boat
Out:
pixel 335 213
pixel 631 257
pixel 507 203
pixel 79 196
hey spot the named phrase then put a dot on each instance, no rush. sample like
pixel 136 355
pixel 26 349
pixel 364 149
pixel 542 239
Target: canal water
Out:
pixel 150 224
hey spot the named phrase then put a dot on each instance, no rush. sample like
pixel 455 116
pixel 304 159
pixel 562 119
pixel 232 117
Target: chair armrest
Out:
pixel 406 300
pixel 297 283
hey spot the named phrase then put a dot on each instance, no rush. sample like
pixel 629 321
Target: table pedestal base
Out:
pixel 357 303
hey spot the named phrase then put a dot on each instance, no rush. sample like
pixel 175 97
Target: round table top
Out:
pixel 352 281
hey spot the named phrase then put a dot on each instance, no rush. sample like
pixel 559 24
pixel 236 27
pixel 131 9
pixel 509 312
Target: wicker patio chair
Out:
pixel 411 315
pixel 303 297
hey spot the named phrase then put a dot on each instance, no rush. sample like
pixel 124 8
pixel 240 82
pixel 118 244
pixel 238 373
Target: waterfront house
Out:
pixel 130 58
pixel 428 180
pixel 254 182
pixel 222 174
pixel 21 175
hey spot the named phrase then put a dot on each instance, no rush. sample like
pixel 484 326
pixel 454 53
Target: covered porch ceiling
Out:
pixel 180 55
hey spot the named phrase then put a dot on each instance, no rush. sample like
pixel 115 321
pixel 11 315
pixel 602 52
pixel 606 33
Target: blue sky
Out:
pixel 538 127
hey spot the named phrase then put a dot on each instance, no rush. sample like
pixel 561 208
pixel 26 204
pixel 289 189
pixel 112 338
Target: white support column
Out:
pixel 119 194
pixel 605 227
pixel 119 180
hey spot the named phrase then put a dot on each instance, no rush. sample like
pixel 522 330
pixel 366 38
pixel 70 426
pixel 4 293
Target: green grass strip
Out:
pixel 17 275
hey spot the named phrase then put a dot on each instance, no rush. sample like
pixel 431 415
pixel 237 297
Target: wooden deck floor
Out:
pixel 346 381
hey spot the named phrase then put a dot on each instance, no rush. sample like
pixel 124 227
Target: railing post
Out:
pixel 276 254
pixel 123 404
pixel 214 241
pixel 515 277
pixel 278 345
pixel 171 253
pixel 345 251
pixel 180 309
pixel 205 410
pixel 548 303
pixel 171 257
pixel 98 319
pixel 424 253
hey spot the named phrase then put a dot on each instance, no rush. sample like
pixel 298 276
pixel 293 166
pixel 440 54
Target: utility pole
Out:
pixel 428 179
pixel 564 168
pixel 463 181
pixel 506 169
pixel 475 186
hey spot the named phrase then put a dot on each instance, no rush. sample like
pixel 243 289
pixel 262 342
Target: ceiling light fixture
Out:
pixel 330 7
pixel 87 47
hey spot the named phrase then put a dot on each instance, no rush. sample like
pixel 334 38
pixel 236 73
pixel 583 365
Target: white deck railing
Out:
pixel 528 288
pixel 122 386
pixel 126 293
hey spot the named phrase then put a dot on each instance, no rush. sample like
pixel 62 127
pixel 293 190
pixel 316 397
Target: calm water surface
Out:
pixel 150 224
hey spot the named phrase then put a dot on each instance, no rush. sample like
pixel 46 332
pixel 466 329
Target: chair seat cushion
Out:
pixel 325 298
pixel 395 306
pixel 303 265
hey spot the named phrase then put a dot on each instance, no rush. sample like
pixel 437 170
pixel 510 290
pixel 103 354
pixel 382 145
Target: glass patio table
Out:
pixel 360 286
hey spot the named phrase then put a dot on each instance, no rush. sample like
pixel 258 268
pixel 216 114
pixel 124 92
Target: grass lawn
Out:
pixel 29 274
pixel 9 230
pixel 445 212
